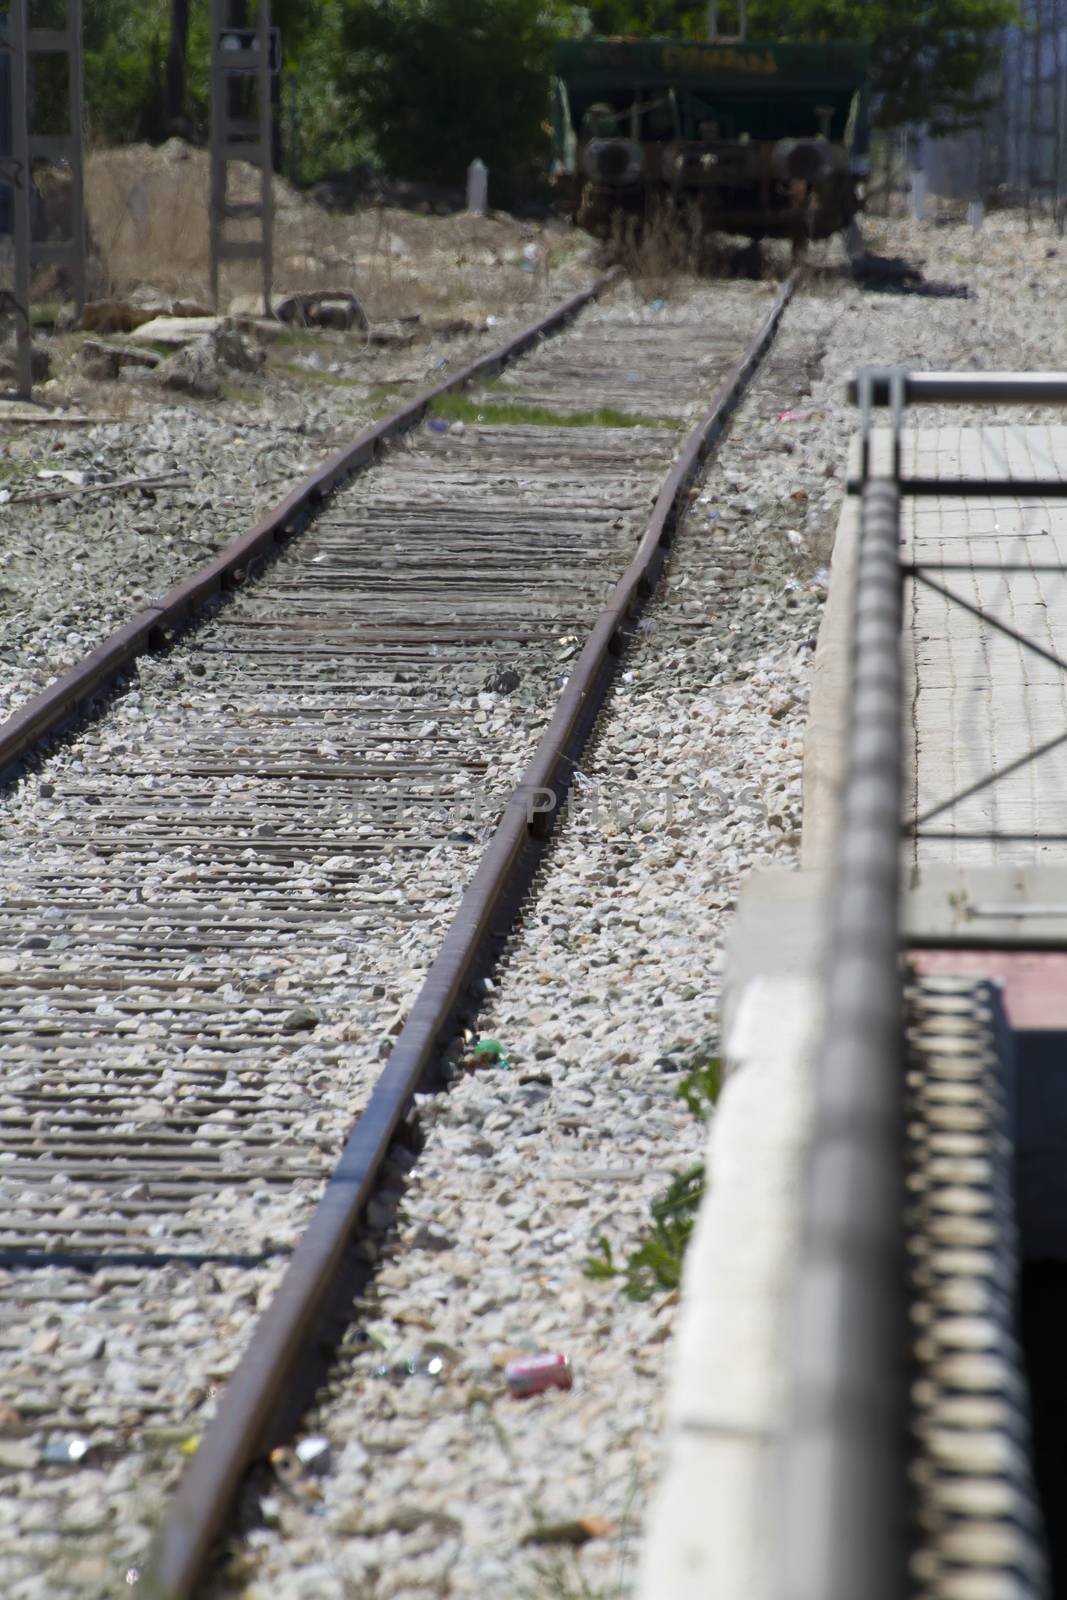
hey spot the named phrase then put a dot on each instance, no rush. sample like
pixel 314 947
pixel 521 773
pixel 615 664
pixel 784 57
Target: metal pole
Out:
pixel 77 157
pixel 68 148
pixel 19 166
pixel 266 151
pixel 239 132
pixel 218 144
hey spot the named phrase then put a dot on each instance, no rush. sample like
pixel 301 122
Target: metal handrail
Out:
pixel 844 1503
pixel 843 1493
pixel 964 388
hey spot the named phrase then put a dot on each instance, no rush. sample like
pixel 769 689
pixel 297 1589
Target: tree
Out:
pixel 929 58
pixel 331 134
pixel 442 81
pixel 124 48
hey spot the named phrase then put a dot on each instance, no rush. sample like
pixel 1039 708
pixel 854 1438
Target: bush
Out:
pixel 438 82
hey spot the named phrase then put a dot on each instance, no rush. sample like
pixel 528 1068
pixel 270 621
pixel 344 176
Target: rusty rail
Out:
pixel 238 1433
pixel 57 705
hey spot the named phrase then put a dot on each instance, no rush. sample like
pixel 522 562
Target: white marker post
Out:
pixel 478 188
pixel 918 195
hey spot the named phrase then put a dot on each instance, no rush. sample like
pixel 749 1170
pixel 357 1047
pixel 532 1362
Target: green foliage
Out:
pixel 656 1264
pixel 443 81
pixel 700 1087
pixel 461 408
pixel 559 1576
pixel 668 19
pixel 125 48
pixel 928 62
pixel 423 86
pixel 332 135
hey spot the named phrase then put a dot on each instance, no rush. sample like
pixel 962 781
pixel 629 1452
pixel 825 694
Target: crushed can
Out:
pixel 533 1374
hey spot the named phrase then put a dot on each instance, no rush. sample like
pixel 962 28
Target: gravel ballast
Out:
pixel 211 940
pixel 609 995
pixel 73 568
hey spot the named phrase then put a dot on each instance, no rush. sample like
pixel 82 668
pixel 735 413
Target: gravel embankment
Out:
pixel 72 569
pixel 609 996
pixel 208 948
pixel 609 993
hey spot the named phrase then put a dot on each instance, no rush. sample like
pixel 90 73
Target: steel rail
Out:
pixel 236 1436
pixel 842 1480
pixel 58 704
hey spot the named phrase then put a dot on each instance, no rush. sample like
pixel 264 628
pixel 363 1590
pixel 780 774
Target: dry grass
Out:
pixel 148 221
pixel 665 255
pixel 659 255
pixel 148 218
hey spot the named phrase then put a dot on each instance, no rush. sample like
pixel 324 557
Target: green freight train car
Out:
pixel 761 139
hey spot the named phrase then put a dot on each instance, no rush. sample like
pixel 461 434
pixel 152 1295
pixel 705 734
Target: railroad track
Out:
pixel 226 899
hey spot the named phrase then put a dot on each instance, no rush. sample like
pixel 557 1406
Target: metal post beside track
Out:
pixel 18 42
pixel 238 55
pixel 66 149
pixel 15 173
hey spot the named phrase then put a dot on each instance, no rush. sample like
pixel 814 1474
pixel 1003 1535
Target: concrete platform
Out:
pixel 986 738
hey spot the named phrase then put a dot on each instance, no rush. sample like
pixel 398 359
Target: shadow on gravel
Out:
pixel 891 275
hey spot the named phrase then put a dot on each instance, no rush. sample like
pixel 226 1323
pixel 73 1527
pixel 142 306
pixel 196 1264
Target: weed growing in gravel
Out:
pixel 240 395
pixel 458 408
pixel 700 1087
pixel 559 1577
pixel 656 1264
pixel 303 374
pixel 295 338
pixel 558 1573
pixel 158 346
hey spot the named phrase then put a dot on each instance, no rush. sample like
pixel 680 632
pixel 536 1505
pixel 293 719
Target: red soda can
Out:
pixel 533 1374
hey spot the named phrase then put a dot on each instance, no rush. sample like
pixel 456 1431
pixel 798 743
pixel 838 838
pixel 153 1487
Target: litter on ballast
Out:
pixel 575 1533
pixel 313 1454
pixel 492 1050
pixel 529 1375
pixel 65 1452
